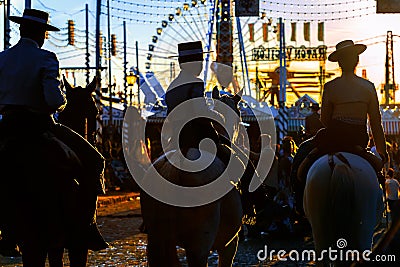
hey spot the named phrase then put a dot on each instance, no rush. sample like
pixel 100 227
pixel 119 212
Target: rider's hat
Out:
pixel 190 51
pixel 36 17
pixel 346 47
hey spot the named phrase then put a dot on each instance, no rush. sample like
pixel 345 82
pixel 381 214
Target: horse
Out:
pixel 343 203
pixel 198 229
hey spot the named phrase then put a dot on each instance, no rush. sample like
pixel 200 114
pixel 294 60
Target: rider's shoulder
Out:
pixel 365 82
pixel 331 84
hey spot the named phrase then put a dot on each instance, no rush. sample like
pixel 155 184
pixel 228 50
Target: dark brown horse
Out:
pixel 80 116
pixel 81 110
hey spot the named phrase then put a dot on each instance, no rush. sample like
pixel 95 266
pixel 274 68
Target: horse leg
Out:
pixel 78 256
pixel 56 257
pixel 196 258
pixel 33 255
pixel 226 255
pixel 161 253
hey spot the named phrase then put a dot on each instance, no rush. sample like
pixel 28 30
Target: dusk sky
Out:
pixel 344 19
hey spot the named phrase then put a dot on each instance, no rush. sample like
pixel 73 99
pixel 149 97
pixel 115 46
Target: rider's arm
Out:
pixel 201 107
pixel 376 123
pixel 53 95
pixel 326 106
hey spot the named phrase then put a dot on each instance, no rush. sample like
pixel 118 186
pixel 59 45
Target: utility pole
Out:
pixel 110 86
pixel 125 64
pixel 98 72
pixel 87 45
pixel 6 24
pixel 138 75
pixel 283 115
pixel 389 70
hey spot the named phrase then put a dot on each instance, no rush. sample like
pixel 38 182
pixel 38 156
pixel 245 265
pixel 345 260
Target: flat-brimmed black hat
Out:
pixel 345 47
pixel 38 17
pixel 190 51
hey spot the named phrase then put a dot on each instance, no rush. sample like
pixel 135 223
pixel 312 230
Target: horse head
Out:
pixel 81 109
pixel 80 99
pixel 232 101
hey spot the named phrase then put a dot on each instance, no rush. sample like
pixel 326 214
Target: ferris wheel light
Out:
pixel 159 31
pixel 194 3
pixel 203 1
pixel 186 6
pixel 178 11
pixel 148 65
pixel 151 48
pixel 171 17
pixel 154 39
pixel 263 15
pixel 164 23
pixel 149 56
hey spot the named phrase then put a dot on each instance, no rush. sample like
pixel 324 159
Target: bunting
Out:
pixel 251 31
pixel 306 31
pixel 265 32
pixel 321 31
pixel 293 36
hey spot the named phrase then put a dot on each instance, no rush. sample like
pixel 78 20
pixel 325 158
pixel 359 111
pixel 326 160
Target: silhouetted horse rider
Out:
pixel 188 86
pixel 347 102
pixel 40 171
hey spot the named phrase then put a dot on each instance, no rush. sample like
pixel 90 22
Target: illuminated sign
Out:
pixel 301 53
pixel 388 6
pixel 247 8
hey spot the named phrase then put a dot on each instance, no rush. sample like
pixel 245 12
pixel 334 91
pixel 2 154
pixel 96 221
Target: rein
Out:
pixel 340 156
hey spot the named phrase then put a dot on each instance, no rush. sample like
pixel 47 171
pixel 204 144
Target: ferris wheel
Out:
pixel 198 20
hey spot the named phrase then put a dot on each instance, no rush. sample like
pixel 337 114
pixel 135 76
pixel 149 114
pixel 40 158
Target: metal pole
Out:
pixel 138 73
pixel 7 30
pixel 28 4
pixel 125 64
pixel 98 72
pixel 109 63
pixel 87 44
pixel 283 115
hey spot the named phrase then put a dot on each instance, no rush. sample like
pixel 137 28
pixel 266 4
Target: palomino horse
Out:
pixel 343 202
pixel 199 229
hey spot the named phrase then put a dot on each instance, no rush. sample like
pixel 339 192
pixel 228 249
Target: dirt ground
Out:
pixel 119 220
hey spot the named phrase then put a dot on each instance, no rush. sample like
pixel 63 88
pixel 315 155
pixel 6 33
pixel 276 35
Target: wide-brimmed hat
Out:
pixel 345 47
pixel 38 17
pixel 190 51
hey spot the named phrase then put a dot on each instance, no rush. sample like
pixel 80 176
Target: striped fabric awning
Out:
pixel 390 127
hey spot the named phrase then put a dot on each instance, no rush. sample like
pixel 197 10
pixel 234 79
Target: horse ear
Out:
pixel 92 85
pixel 67 86
pixel 238 96
pixel 215 93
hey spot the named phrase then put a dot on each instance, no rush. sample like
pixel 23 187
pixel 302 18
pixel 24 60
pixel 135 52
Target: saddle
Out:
pixel 321 150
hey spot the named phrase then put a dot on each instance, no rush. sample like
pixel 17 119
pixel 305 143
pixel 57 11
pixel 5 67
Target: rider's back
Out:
pixel 28 77
pixel 349 99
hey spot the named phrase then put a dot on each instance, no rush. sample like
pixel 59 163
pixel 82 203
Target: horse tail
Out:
pixel 341 195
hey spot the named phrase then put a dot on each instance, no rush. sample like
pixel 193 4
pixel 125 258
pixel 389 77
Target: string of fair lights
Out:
pixel 166 11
